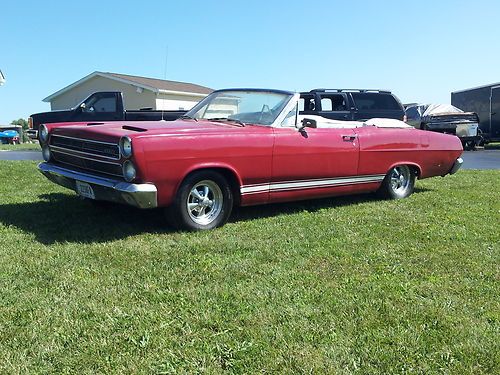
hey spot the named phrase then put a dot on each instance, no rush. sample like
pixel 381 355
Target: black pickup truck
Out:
pixel 351 104
pixel 99 106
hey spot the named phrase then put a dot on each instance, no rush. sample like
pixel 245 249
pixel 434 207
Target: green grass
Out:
pixel 492 146
pixel 21 147
pixel 334 286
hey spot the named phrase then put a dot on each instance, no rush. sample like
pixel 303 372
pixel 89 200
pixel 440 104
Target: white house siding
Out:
pixel 132 98
pixel 177 102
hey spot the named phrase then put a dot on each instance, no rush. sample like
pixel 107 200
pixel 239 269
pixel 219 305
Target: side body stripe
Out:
pixel 309 184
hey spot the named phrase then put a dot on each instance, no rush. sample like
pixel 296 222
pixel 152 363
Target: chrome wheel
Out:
pixel 400 180
pixel 204 202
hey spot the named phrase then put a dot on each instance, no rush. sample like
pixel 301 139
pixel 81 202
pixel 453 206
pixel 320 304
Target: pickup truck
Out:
pixel 445 118
pixel 351 104
pixel 98 107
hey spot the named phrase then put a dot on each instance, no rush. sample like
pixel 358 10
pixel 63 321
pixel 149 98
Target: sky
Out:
pixel 420 50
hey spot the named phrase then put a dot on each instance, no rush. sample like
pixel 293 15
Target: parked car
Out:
pixel 98 107
pixel 9 137
pixel 351 104
pixel 241 147
pixel 485 101
pixel 445 118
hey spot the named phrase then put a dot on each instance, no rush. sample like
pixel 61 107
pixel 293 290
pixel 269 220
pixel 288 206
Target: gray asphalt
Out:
pixel 20 155
pixel 480 159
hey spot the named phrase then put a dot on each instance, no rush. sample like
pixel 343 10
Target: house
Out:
pixel 138 92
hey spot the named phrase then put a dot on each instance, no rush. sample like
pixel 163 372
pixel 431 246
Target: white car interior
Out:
pixel 325 123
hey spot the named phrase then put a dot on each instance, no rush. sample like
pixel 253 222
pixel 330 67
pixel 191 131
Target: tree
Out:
pixel 24 123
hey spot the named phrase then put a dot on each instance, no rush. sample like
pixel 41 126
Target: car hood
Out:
pixel 50 117
pixel 111 131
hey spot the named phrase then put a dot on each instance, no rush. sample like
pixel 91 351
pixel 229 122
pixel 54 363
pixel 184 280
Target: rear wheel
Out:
pixel 203 201
pixel 398 183
pixel 469 145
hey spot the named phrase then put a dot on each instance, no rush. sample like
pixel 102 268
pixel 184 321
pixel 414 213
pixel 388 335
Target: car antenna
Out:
pixel 164 76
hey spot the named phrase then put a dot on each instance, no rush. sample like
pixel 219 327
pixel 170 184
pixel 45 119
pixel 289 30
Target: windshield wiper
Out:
pixel 186 117
pixel 241 123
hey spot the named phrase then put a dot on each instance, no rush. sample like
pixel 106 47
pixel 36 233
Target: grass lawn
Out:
pixel 492 146
pixel 21 147
pixel 334 286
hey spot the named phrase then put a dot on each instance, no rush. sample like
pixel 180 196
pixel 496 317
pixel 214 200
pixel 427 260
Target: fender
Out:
pixel 208 165
pixel 407 162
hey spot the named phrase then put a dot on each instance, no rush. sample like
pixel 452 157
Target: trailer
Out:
pixel 485 101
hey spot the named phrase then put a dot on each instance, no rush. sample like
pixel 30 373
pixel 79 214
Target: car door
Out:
pixel 313 163
pixel 102 106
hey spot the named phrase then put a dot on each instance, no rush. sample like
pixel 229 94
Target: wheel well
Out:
pixel 230 177
pixel 415 169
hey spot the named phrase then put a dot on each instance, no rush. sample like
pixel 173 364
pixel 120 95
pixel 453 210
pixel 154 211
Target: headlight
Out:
pixel 129 171
pixel 126 147
pixel 46 153
pixel 43 133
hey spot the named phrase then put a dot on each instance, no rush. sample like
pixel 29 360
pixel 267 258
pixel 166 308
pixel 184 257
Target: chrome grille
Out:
pixel 95 156
pixel 114 169
pixel 103 149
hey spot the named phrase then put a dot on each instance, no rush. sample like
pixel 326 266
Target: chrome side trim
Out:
pixel 309 184
pixel 138 195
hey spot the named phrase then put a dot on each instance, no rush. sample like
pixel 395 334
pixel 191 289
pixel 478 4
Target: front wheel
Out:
pixel 203 201
pixel 398 183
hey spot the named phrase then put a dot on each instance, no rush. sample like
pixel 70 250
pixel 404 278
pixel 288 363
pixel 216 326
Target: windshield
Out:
pixel 252 107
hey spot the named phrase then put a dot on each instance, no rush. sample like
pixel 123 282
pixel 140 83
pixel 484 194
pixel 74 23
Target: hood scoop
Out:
pixel 95 123
pixel 133 128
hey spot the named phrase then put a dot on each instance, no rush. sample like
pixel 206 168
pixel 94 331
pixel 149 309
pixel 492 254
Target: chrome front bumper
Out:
pixel 32 134
pixel 456 166
pixel 106 189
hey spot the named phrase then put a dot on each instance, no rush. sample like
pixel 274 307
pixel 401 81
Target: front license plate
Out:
pixel 85 190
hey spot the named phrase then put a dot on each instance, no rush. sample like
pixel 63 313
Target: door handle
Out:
pixel 493 113
pixel 349 138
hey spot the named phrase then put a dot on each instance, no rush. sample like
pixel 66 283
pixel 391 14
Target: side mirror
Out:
pixel 306 123
pixel 309 123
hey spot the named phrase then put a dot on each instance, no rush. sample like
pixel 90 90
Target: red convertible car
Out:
pixel 241 147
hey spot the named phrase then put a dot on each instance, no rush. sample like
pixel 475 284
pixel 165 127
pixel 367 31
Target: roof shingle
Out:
pixel 162 84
